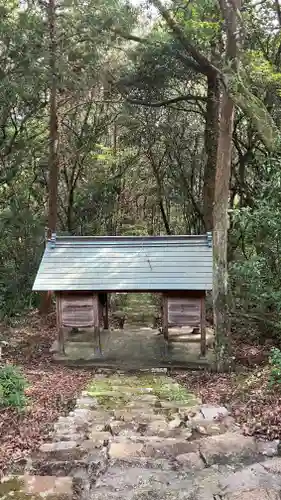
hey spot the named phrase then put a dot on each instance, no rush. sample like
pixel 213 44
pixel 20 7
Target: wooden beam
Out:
pixel 59 325
pixel 165 325
pixel 203 325
pixel 105 314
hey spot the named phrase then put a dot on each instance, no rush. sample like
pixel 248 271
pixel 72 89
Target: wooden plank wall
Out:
pixel 184 311
pixel 80 311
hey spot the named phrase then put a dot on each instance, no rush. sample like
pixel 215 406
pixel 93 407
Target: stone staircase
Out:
pixel 143 437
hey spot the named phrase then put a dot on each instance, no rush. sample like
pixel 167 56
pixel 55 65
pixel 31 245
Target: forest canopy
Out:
pixel 166 120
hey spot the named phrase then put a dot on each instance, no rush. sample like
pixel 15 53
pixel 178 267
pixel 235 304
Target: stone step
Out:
pixel 95 462
pixel 149 424
pixel 186 462
pixel 144 483
pixel 72 468
pixel 64 450
pixel 154 447
pixel 147 447
pixel 260 481
pixel 233 447
pixel 221 449
pixel 254 494
pixel 61 450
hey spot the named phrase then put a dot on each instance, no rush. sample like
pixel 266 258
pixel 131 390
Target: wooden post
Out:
pixel 165 325
pixel 105 313
pixel 97 312
pixel 59 325
pixel 103 310
pixel 203 324
pixel 100 308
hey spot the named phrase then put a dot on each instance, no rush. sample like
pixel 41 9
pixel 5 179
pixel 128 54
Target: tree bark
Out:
pixel 69 216
pixel 211 148
pixel 159 187
pixel 223 174
pixel 46 300
pixel 164 217
pixel 53 125
pixel 220 287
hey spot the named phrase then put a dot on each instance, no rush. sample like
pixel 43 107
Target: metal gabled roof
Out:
pixel 126 263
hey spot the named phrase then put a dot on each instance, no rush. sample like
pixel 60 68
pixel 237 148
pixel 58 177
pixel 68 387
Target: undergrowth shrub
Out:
pixel 12 387
pixel 254 258
pixel 275 371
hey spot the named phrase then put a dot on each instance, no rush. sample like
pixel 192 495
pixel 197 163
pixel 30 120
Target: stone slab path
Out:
pixel 144 437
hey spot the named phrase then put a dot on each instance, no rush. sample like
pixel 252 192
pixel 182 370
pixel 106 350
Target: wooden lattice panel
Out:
pixel 184 311
pixel 79 310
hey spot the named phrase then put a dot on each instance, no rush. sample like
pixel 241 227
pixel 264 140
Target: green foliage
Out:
pixel 253 108
pixel 275 368
pixel 124 168
pixel 21 247
pixel 260 70
pixel 256 272
pixel 201 22
pixel 12 387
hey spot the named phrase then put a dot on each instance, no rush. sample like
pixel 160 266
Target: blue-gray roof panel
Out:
pixel 126 263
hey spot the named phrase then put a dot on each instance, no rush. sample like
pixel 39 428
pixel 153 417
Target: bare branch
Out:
pixel 129 36
pixel 166 102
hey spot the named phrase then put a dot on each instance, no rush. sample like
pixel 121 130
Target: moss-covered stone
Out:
pixel 29 488
pixel 13 483
pixel 116 392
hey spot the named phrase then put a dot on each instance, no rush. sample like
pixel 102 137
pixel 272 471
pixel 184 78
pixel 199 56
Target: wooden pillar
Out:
pixel 97 311
pixel 203 324
pixel 100 309
pixel 103 310
pixel 59 325
pixel 105 313
pixel 165 325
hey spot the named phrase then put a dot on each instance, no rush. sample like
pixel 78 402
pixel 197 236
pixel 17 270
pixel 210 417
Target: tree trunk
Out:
pixel 159 187
pixel 53 125
pixel 53 139
pixel 211 148
pixel 70 210
pixel 221 298
pixel 164 216
pixel 220 288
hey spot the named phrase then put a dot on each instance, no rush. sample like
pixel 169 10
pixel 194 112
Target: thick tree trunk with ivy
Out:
pixel 211 149
pixel 53 140
pixel 220 289
pixel 230 11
